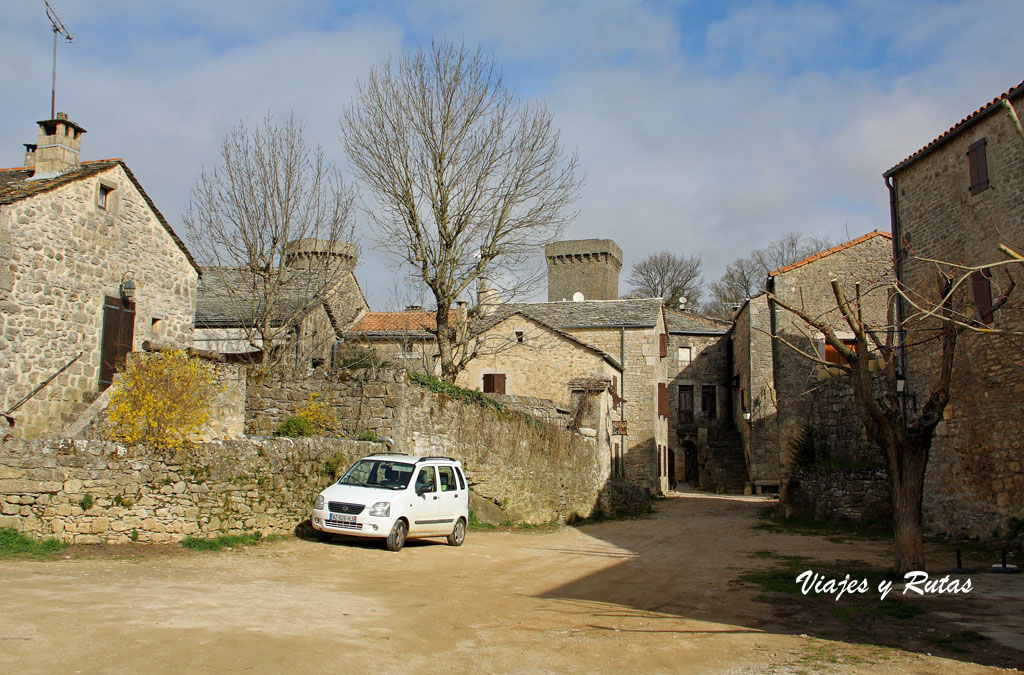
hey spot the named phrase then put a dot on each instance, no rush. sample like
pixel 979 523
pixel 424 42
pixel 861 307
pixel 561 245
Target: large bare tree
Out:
pixel 669 276
pixel 901 426
pixel 464 182
pixel 270 190
pixel 746 277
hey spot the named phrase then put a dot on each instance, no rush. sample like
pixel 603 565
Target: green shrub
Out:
pixel 366 435
pixel 294 427
pixel 16 544
pixel 454 392
pixel 86 502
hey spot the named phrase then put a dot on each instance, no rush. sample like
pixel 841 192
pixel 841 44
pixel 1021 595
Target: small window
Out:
pixel 832 354
pixel 663 340
pixel 103 200
pixel 977 163
pixel 519 336
pixel 686 404
pixel 426 479
pixel 448 481
pixel 685 355
pixel 663 399
pixel 981 289
pixel 494 383
pixel 462 481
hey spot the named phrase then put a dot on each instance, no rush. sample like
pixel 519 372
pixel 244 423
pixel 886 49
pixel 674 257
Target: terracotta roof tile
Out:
pixel 959 126
pixel 397 322
pixel 834 249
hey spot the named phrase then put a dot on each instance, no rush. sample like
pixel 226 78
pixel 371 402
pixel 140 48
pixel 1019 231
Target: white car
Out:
pixel 398 497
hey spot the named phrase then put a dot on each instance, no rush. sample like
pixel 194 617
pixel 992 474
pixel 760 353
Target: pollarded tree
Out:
pixel 669 276
pixel 464 181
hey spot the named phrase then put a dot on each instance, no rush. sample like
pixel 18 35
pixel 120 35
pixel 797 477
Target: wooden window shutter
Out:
pixel 118 334
pixel 663 399
pixel 981 289
pixel 664 344
pixel 977 163
pixel 832 354
pixel 494 383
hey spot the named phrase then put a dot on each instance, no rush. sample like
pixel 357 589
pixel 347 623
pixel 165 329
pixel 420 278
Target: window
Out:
pixel 686 404
pixel 103 199
pixel 709 401
pixel 981 289
pixel 519 336
pixel 448 482
pixel 494 383
pixel 685 355
pixel 663 399
pixel 426 479
pixel 832 355
pixel 977 164
pixel 663 343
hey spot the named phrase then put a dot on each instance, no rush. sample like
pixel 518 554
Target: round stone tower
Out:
pixel 587 266
pixel 303 252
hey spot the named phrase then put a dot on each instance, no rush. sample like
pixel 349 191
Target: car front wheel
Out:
pixel 323 537
pixel 396 540
pixel 458 534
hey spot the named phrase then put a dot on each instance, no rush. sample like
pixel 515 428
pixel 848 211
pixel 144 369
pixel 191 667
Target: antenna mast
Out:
pixel 58 27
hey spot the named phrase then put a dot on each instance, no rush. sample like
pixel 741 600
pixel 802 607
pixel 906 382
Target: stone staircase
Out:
pixel 727 463
pixel 79 414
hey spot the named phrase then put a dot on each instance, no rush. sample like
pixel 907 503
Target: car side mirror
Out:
pixel 422 490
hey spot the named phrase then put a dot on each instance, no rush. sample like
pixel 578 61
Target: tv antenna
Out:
pixel 61 29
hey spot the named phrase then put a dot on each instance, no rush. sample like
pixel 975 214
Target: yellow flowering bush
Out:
pixel 162 401
pixel 318 415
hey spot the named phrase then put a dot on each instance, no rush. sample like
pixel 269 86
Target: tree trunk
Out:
pixel 445 348
pixel 906 482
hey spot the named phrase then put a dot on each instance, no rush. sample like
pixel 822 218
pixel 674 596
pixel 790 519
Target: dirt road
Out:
pixel 642 596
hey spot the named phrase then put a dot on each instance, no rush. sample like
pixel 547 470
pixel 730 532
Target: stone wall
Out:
pixel 839 432
pixel 840 495
pixel 975 479
pixel 755 406
pixel 537 472
pixel 62 254
pixel 93 491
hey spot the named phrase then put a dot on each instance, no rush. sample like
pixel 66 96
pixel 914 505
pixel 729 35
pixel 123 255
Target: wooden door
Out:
pixel 118 333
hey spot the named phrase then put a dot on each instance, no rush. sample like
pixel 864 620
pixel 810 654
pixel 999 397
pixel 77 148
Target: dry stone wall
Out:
pixel 861 495
pixel 535 471
pixel 94 491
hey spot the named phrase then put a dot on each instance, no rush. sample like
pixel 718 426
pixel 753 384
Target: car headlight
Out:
pixel 319 503
pixel 381 509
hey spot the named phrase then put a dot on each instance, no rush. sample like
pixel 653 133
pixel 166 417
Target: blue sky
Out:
pixel 703 127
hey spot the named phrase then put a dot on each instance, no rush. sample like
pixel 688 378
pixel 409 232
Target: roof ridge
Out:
pixel 962 124
pixel 835 249
pixel 17 168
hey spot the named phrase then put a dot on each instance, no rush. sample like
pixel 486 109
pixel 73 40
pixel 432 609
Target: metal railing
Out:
pixel 38 389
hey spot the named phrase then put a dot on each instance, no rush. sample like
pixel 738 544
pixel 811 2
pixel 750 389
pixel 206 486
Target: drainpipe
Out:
pixel 897 258
pixel 622 395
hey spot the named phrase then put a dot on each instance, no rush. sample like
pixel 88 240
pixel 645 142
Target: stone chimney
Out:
pixel 58 149
pixel 487 298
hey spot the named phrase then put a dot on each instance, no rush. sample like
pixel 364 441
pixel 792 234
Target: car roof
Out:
pixel 413 459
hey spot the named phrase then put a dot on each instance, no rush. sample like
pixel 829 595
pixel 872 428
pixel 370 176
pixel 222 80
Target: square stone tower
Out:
pixel 587 266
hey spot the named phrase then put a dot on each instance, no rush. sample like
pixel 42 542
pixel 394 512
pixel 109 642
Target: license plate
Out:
pixel 342 518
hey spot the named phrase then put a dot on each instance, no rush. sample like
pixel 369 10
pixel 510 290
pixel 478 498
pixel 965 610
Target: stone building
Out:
pixel 956 200
pixel 704 446
pixel 631 333
pixel 88 265
pixel 583 269
pixel 774 382
pixel 405 339
pixel 307 304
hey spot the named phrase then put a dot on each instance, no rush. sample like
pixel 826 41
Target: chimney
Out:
pixel 30 154
pixel 486 297
pixel 58 148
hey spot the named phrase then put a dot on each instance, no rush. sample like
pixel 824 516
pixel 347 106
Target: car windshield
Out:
pixel 378 473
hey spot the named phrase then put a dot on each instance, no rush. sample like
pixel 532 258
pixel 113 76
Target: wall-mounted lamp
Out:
pixel 127 287
pixel 746 416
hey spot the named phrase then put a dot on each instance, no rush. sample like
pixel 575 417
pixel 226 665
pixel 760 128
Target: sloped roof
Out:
pixel 835 249
pixel 638 312
pixel 416 323
pixel 965 123
pixel 571 338
pixel 688 322
pixel 15 186
pixel 224 292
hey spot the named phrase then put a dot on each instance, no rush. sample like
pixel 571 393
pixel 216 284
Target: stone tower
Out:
pixel 587 266
pixel 313 253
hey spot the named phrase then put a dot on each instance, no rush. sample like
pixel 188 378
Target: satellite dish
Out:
pixel 682 303
pixel 577 297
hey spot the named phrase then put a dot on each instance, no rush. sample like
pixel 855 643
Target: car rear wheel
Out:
pixel 458 534
pixel 396 540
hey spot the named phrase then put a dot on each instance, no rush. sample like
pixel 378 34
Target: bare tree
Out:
pixel 668 276
pixel 745 277
pixel 271 223
pixel 466 183
pixel 901 428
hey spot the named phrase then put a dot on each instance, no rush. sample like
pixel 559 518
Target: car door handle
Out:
pixel 435 498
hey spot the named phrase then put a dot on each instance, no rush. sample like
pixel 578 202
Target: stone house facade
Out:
pixel 88 265
pixel 775 383
pixel 702 432
pixel 956 200
pixel 313 299
pixel 404 339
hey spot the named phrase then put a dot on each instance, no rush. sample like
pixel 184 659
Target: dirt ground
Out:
pixel 658 594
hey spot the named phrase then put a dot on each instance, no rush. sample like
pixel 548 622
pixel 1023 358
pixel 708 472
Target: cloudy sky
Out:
pixel 706 127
